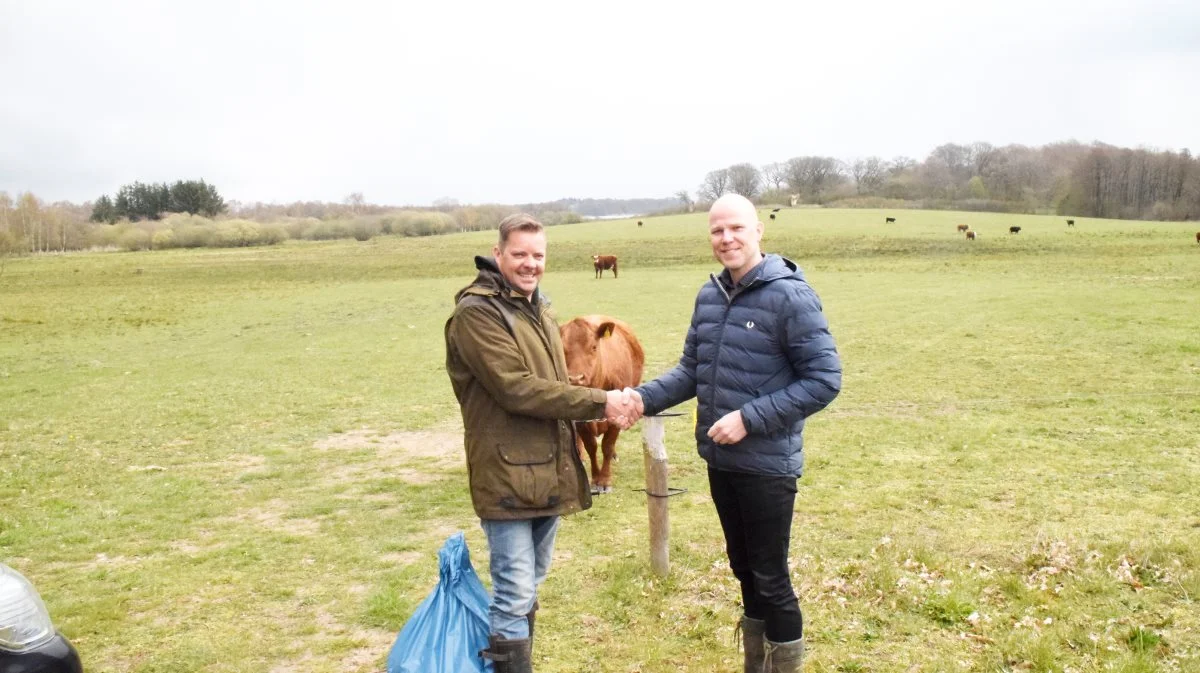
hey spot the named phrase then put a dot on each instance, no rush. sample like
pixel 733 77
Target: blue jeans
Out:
pixel 520 554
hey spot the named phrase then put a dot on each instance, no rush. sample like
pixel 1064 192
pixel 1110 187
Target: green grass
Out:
pixel 246 460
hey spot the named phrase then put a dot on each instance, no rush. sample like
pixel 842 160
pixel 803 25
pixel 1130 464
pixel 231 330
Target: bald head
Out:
pixel 735 234
pixel 734 205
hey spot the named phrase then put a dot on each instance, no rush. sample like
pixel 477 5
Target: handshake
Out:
pixel 623 408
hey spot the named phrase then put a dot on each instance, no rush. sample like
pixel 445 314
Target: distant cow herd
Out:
pixel 603 352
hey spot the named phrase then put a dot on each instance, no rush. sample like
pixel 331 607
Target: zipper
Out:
pixel 725 323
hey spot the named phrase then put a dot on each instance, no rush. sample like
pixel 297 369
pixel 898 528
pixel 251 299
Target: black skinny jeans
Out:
pixel 756 517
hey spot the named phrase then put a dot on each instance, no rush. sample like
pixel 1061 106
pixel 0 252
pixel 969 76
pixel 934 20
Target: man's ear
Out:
pixel 496 251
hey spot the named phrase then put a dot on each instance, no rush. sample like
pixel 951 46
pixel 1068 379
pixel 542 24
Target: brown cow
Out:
pixel 1014 230
pixel 1198 236
pixel 602 352
pixel 963 227
pixel 602 262
pixel 970 235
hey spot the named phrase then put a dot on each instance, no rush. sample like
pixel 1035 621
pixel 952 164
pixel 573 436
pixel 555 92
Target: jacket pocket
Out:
pixel 528 476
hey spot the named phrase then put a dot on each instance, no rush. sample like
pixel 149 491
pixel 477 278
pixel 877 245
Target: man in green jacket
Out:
pixel 506 364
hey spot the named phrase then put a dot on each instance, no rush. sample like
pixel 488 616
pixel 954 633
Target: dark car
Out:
pixel 29 643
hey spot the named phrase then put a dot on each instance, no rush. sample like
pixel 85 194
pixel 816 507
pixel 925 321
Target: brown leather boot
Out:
pixel 783 657
pixel 753 631
pixel 509 656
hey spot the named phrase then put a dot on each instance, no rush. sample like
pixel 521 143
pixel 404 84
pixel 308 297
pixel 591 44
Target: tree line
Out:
pixel 138 201
pixel 1068 178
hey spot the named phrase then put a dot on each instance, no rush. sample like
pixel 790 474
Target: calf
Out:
pixel 886 220
pixel 772 216
pixel 602 352
pixel 639 223
pixel 602 262
pixel 1070 223
pixel 970 235
pixel 1198 236
pixel 1014 230
pixel 963 227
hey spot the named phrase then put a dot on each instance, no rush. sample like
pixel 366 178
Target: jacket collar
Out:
pixel 773 267
pixel 492 282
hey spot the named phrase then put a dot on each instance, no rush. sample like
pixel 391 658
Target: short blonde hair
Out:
pixel 518 222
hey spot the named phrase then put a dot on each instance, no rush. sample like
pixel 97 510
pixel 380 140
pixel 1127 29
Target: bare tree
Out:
pixel 775 175
pixel 715 184
pixel 980 155
pixel 812 176
pixel 744 179
pixel 685 198
pixel 29 213
pixel 901 164
pixel 868 174
pixel 356 202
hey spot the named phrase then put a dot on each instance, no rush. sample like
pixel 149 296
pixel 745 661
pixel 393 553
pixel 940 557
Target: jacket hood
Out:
pixel 773 267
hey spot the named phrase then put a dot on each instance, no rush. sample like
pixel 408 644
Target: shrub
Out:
pixel 236 234
pixel 271 234
pixel 132 239
pixel 193 236
pixel 163 239
pixel 328 230
pixel 363 230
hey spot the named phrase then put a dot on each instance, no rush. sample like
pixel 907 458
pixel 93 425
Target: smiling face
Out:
pixel 735 234
pixel 522 260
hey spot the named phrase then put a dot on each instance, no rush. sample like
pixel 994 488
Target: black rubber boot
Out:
pixel 509 656
pixel 532 618
pixel 753 634
pixel 783 657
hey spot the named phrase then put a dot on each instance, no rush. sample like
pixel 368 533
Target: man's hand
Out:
pixel 729 430
pixel 637 401
pixel 620 408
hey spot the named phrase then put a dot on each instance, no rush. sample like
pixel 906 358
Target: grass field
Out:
pixel 246 460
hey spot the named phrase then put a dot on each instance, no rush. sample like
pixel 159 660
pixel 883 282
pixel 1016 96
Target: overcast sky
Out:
pixel 521 101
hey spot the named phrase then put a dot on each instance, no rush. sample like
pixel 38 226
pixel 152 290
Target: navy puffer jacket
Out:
pixel 762 347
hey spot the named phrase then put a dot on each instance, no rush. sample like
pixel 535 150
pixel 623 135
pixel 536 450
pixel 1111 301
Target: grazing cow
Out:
pixel 602 262
pixel 1070 223
pixel 639 223
pixel 963 227
pixel 776 210
pixel 886 220
pixel 1198 236
pixel 1014 230
pixel 970 235
pixel 772 216
pixel 602 352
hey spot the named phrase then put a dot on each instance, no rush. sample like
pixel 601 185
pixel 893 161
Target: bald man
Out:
pixel 759 359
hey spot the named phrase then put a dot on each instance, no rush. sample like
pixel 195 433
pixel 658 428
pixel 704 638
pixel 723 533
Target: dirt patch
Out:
pixel 273 516
pixel 437 444
pixel 419 457
pixel 402 558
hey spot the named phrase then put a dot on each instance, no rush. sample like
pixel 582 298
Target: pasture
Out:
pixel 245 460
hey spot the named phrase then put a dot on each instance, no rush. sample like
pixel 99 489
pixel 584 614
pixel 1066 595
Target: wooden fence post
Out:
pixel 654 451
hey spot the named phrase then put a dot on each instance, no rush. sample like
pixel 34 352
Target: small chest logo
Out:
pixel 750 324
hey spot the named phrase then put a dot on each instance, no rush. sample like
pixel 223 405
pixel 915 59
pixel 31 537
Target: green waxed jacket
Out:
pixel 506 364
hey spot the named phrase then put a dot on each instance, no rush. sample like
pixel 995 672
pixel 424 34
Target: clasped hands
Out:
pixel 623 408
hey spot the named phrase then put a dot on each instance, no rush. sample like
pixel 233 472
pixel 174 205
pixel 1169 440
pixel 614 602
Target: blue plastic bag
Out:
pixel 450 626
